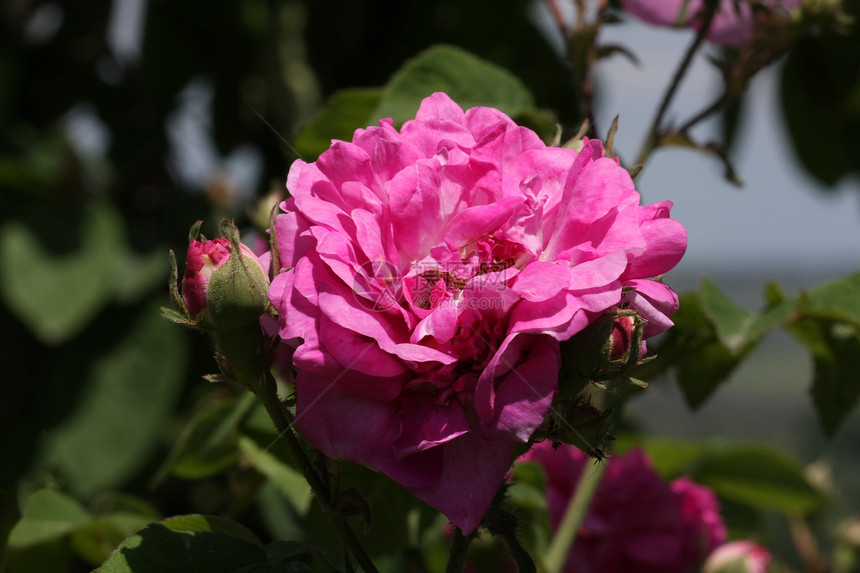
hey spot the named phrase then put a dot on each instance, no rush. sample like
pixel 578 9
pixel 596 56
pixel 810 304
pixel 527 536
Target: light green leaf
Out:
pixel 286 479
pixel 730 320
pixel 838 300
pixel 196 522
pixel 469 80
pixel 49 514
pixel 57 295
pixel 124 408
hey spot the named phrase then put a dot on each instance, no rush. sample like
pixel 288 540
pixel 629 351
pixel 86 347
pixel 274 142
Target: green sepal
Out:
pixel 238 292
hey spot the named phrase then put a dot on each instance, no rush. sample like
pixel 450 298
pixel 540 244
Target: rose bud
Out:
pixel 225 285
pixel 738 557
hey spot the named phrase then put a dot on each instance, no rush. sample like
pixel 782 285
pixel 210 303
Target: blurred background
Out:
pixel 122 122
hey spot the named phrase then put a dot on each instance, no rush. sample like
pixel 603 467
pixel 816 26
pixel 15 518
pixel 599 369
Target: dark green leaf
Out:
pixel 835 349
pixel 282 550
pixel 187 543
pixel 701 372
pixel 760 477
pixel 56 296
pixel 818 89
pixel 469 80
pixel 124 408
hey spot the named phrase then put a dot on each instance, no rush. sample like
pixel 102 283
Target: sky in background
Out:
pixel 780 219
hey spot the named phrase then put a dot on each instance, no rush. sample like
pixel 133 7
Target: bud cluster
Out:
pixel 224 287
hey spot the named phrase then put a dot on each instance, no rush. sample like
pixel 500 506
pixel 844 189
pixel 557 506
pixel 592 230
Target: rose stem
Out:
pixel 244 349
pixel 559 547
pixel 651 137
pixel 268 395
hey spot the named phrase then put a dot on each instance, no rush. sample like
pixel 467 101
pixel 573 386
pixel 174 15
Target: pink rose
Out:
pixel 740 557
pixel 733 23
pixel 635 522
pixel 431 274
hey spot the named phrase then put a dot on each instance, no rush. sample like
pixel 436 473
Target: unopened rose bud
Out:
pixel 738 557
pixel 225 286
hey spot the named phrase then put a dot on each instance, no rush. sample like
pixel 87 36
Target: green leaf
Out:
pixel 57 295
pixel 346 111
pixel 760 477
pixel 116 517
pixel 187 543
pixel 123 409
pixel 196 522
pixel 730 320
pixel 469 80
pixel 702 372
pixel 49 514
pixel 835 348
pixel 286 479
pixel 838 300
pixel 207 444
pixel 818 90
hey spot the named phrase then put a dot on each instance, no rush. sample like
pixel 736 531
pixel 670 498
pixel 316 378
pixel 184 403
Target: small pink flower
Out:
pixel 635 522
pixel 430 275
pixel 738 556
pixel 733 23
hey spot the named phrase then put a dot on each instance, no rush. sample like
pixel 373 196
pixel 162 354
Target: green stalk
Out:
pixel 244 350
pixel 565 535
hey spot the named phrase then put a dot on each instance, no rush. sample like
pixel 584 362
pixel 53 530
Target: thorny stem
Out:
pixel 565 535
pixel 459 551
pixel 653 135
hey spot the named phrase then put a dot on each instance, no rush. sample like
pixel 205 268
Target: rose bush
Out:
pixel 733 23
pixel 428 277
pixel 635 522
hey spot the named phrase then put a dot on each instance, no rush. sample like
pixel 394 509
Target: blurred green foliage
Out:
pixel 107 156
